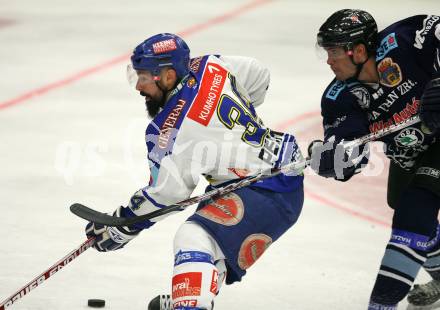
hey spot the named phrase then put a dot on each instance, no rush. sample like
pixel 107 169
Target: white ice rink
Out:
pixel 71 130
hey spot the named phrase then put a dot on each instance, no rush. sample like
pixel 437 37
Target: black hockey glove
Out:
pixel 331 160
pixel 430 105
pixel 110 238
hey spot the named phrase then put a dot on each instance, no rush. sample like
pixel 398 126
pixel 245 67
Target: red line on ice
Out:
pixel 100 67
pixel 6 22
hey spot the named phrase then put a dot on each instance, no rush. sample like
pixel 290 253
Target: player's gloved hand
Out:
pixel 430 105
pixel 110 238
pixel 331 159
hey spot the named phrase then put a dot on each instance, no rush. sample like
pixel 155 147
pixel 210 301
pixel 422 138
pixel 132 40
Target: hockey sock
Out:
pixel 398 269
pixel 411 240
pixel 432 264
pixel 195 281
pixel 199 268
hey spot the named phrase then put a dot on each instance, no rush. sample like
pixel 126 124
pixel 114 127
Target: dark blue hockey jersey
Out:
pixel 407 57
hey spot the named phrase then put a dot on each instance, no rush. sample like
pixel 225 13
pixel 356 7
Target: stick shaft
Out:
pixel 40 279
pixel 296 167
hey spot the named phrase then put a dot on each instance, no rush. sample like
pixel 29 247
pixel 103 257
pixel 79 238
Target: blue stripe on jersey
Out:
pixel 183 257
pixel 400 262
pixel 386 45
pixel 156 204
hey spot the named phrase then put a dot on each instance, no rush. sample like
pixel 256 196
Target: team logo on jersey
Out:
pixel 191 83
pixel 363 96
pixel 227 210
pixel 386 45
pixel 428 23
pixel 164 46
pixel 389 73
pixel 252 248
pixel 409 137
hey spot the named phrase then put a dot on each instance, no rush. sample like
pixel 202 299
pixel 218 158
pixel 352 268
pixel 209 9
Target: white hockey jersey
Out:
pixel 209 128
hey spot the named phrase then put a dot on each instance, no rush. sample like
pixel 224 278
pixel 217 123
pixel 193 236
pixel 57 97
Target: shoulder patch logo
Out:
pixel 389 73
pixel 335 89
pixel 386 45
pixel 191 83
pixel 363 96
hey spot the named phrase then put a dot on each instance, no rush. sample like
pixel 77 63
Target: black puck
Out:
pixel 96 303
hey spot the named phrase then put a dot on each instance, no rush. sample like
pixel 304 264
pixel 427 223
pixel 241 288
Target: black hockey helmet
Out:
pixel 348 27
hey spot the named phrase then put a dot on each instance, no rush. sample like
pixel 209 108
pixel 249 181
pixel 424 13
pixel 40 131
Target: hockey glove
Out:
pixel 331 160
pixel 430 105
pixel 110 238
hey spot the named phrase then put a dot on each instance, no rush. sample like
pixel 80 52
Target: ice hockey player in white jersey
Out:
pixel 205 125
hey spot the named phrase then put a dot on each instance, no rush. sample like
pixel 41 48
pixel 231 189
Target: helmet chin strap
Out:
pixel 359 66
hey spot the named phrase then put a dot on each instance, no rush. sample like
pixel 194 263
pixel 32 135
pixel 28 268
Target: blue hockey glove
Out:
pixel 331 160
pixel 110 238
pixel 430 105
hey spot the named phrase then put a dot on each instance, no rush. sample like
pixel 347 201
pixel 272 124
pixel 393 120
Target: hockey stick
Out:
pixel 383 132
pixel 46 274
pixel 108 220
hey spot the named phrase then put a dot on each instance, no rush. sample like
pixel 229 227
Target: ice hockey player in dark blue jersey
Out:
pixel 383 78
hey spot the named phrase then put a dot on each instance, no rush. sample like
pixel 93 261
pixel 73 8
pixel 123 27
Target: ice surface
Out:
pixel 77 136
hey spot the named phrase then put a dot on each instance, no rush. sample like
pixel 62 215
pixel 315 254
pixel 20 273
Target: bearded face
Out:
pixel 154 102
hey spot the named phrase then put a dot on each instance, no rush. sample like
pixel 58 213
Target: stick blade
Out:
pixel 96 217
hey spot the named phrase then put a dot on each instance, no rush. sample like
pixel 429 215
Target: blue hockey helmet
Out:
pixel 159 51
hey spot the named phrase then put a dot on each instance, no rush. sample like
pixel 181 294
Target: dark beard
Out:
pixel 153 105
